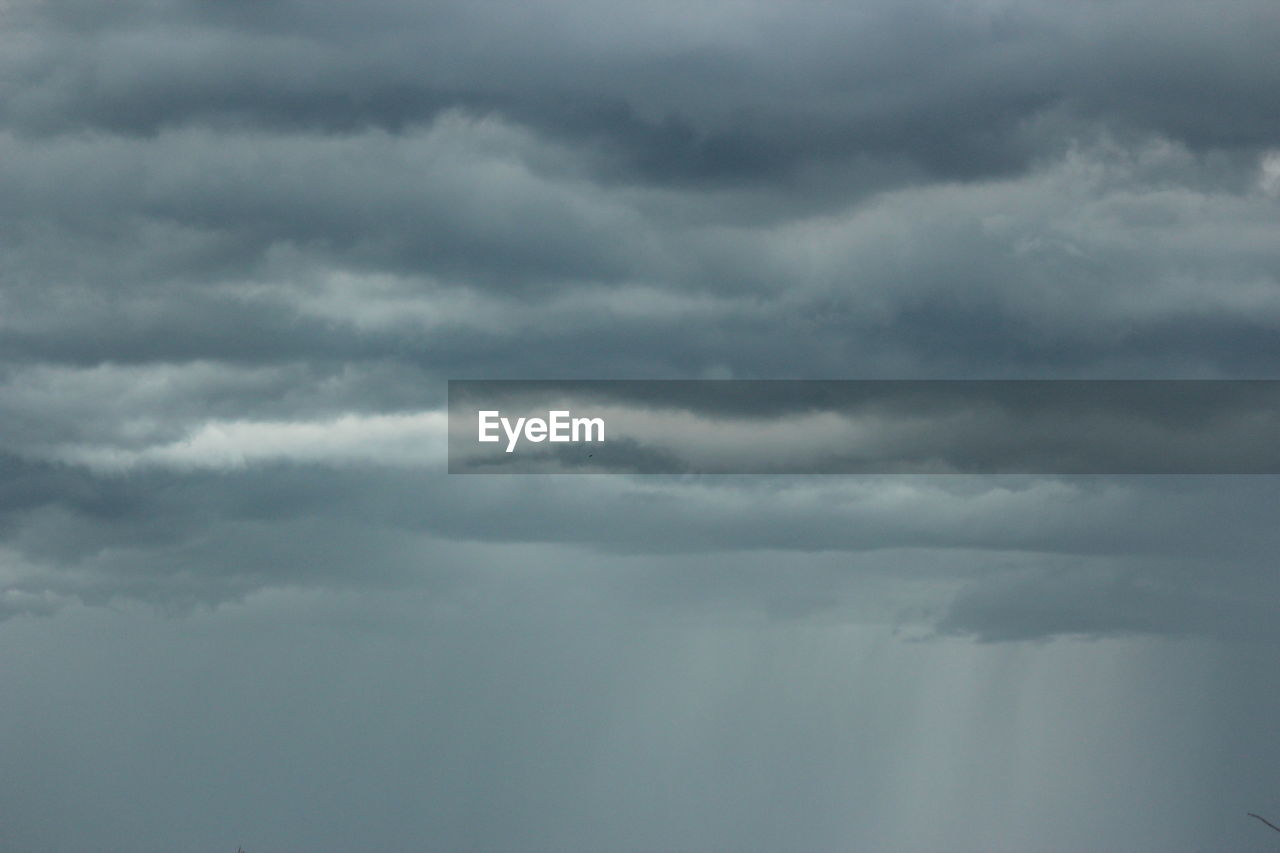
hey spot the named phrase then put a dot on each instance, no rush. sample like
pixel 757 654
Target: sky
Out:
pixel 245 245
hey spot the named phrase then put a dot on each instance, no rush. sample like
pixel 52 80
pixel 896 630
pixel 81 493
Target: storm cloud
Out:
pixel 244 245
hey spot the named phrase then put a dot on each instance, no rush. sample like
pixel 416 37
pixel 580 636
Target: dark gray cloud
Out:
pixel 731 92
pixel 1095 603
pixel 460 244
pixel 243 245
pixel 232 226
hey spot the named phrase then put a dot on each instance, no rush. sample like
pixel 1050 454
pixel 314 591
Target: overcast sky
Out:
pixel 243 245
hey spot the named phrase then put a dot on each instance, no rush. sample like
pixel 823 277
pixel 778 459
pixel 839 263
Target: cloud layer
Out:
pixel 244 244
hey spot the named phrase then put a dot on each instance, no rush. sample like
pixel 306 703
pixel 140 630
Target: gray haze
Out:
pixel 243 245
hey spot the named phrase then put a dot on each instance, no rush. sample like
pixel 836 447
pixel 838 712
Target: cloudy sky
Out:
pixel 244 245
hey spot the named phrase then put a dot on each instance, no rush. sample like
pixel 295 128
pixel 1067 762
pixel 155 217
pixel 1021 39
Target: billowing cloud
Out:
pixel 255 240
pixel 243 245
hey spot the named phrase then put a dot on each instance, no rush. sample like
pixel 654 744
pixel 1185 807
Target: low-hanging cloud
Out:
pixel 245 244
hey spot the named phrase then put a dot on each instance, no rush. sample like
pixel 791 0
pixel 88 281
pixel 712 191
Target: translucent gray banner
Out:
pixel 864 427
